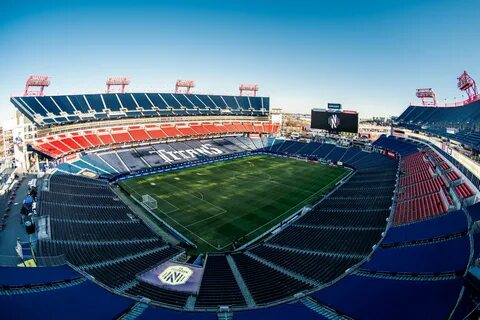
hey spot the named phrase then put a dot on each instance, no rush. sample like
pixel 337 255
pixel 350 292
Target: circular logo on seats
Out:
pixel 175 275
pixel 333 121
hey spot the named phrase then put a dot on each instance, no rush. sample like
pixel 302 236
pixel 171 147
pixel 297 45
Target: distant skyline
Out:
pixel 369 55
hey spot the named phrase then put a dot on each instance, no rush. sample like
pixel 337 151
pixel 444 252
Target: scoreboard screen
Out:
pixel 334 121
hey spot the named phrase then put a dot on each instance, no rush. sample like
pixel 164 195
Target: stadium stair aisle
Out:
pixel 265 288
pixel 220 284
pixel 135 311
pixel 315 265
pixel 279 268
pixel 123 258
pixel 323 310
pixel 240 282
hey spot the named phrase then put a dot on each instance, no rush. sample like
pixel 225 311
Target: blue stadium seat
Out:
pixel 80 301
pixel 282 312
pixel 60 109
pixel 393 144
pixel 153 313
pixel 474 211
pixel 443 256
pixel 365 297
pixel 69 168
pixel 437 120
pixel 451 223
pixel 18 276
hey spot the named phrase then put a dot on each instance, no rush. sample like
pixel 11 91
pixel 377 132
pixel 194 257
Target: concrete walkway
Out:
pixel 13 229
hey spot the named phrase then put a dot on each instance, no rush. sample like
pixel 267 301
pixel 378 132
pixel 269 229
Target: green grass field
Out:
pixel 216 204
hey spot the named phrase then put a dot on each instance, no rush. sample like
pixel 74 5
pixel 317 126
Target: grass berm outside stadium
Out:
pixel 216 204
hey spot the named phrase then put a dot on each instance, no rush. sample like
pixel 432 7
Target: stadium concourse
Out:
pixel 395 238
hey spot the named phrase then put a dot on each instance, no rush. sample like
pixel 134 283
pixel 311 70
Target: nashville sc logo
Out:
pixel 333 121
pixel 175 275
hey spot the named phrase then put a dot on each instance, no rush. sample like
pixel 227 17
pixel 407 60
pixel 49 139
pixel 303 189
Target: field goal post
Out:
pixel 149 201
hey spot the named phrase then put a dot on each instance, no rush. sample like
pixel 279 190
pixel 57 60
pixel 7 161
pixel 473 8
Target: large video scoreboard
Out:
pixel 334 120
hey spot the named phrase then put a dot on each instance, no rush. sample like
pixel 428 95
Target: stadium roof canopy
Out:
pixel 51 110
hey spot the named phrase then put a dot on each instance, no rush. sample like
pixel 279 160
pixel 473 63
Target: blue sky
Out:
pixel 369 55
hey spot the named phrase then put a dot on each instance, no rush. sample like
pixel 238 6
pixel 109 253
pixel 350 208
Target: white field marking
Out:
pixel 169 203
pixel 250 177
pixel 230 243
pixel 190 231
pixel 303 201
pixel 222 211
pixel 208 202
pixel 256 177
pixel 292 208
pixel 270 178
pixel 179 224
pixel 164 212
pixel 208 218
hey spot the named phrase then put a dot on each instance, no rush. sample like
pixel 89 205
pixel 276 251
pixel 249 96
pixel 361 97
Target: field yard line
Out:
pixel 334 181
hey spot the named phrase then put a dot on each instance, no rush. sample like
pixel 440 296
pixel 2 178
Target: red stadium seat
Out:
pixel 139 134
pixel 106 138
pixel 199 129
pixel 186 131
pixel 248 127
pixel 171 131
pixel 239 126
pixel 62 144
pixel 81 140
pixel 421 195
pixel 155 132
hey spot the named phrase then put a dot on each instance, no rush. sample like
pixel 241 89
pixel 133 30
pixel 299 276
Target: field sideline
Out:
pixel 217 204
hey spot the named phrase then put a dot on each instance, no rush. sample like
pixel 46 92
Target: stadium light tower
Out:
pixel 428 96
pixel 467 84
pixel 184 86
pixel 248 89
pixel 37 82
pixel 121 82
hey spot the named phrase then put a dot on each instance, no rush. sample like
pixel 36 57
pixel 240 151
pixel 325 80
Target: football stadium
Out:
pixel 183 204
